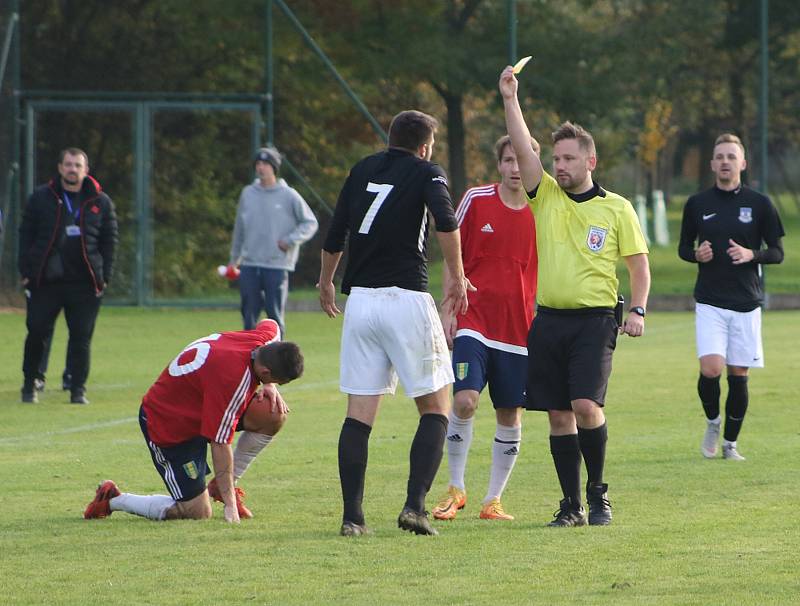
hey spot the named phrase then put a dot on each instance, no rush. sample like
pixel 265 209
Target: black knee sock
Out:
pixel 566 453
pixel 425 456
pixel 593 449
pixel 708 390
pixel 353 450
pixel 735 406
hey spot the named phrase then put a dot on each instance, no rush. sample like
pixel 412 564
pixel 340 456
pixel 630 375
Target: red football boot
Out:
pixel 100 507
pixel 213 492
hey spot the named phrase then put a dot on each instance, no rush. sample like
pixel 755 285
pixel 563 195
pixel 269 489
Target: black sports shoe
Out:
pixel 78 396
pixel 416 522
pixel 599 507
pixel 568 514
pixel 29 395
pixel 351 529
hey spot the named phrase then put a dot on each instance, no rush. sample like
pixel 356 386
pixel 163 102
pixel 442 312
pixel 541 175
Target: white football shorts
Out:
pixel 734 335
pixel 390 332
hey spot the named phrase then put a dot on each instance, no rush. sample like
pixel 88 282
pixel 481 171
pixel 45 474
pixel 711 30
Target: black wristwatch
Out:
pixel 638 310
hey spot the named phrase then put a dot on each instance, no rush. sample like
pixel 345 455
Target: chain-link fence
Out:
pixel 174 224
pixel 173 163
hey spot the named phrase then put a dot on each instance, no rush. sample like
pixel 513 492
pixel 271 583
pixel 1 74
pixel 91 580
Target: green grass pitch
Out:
pixel 686 530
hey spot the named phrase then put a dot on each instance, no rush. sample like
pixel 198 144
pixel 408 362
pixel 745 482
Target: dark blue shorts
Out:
pixel 475 365
pixel 183 467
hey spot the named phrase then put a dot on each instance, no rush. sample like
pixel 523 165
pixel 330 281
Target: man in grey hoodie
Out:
pixel 272 221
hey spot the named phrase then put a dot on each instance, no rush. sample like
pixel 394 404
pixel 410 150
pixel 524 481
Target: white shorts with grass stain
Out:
pixel 389 333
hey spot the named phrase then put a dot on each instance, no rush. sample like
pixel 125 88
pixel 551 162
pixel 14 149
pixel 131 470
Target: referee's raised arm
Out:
pixel 530 166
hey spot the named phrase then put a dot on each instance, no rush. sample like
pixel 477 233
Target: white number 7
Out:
pixel 382 191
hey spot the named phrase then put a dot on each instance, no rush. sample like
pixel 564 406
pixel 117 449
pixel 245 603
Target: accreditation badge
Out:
pixel 596 238
pixel 462 369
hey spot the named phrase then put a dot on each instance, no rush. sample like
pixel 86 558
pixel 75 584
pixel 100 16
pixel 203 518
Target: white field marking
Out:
pixel 69 430
pixel 105 424
pixel 97 387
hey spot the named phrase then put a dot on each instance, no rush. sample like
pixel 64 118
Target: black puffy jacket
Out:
pixel 43 222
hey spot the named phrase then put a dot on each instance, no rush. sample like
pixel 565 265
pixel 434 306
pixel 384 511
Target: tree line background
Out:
pixel 654 80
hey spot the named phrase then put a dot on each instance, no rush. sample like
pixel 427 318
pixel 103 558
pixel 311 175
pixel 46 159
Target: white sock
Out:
pixel 727 444
pixel 248 446
pixel 153 507
pixel 716 421
pixel 459 437
pixel 505 449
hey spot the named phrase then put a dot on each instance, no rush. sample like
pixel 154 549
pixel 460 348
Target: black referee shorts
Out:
pixel 569 356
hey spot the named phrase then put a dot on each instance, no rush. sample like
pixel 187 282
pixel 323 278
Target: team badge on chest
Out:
pixel 745 214
pixel 596 238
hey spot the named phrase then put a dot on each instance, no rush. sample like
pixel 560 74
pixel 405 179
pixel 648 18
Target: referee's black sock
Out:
pixel 425 456
pixel 735 406
pixel 353 450
pixel 566 453
pixel 593 449
pixel 708 390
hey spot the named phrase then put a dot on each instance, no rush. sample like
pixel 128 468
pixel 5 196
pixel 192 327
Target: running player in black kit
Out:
pixel 731 224
pixel 391 325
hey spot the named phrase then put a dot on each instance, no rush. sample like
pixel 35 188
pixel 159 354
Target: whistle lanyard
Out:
pixel 76 213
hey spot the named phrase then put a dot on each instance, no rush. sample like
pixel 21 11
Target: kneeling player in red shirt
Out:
pixel 201 398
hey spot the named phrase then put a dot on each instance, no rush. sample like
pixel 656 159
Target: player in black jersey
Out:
pixel 731 224
pixel 391 326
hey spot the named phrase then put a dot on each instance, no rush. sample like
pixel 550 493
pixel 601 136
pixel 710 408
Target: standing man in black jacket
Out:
pixel 66 253
pixel 736 230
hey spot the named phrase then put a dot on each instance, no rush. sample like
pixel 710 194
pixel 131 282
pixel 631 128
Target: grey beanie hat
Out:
pixel 271 155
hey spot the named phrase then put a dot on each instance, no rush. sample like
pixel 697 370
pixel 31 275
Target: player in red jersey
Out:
pixel 199 399
pixel 498 243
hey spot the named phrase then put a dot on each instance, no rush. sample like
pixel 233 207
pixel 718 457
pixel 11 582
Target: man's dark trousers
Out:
pixel 81 305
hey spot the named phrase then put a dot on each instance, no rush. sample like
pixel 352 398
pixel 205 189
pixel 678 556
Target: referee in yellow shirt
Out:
pixel 582 230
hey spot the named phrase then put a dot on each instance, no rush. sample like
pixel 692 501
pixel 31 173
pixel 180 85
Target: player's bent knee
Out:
pixel 465 403
pixel 198 508
pixel 260 419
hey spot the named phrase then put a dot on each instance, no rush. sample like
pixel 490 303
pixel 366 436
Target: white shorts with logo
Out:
pixel 734 335
pixel 389 332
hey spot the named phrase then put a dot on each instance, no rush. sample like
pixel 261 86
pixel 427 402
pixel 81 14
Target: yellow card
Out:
pixel 521 63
